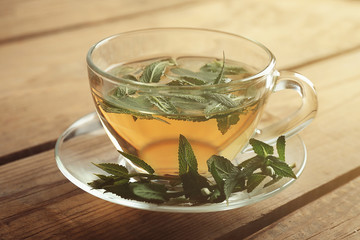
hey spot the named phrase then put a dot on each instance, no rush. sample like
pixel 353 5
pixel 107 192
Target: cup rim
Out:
pixel 116 80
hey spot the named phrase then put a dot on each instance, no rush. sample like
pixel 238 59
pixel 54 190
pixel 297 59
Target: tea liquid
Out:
pixel 156 141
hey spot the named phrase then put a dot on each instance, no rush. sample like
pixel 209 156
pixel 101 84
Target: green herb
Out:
pixel 186 77
pixel 196 189
pixel 215 66
pixel 153 72
pixel 225 108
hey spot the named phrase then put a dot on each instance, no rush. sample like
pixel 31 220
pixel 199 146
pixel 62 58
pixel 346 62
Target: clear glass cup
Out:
pixel 146 119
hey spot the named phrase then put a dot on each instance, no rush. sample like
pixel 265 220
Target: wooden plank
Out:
pixel 333 216
pixel 33 191
pixel 24 19
pixel 45 78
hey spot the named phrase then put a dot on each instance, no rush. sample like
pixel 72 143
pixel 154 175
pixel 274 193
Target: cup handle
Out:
pixel 297 121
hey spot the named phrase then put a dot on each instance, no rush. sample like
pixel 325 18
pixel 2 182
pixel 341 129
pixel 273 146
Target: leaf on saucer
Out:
pixel 150 191
pixel 114 169
pixel 186 157
pixel 281 168
pixel 252 164
pixel 280 146
pixel 261 148
pixel 273 181
pixel 138 162
pixel 221 166
pixel 253 181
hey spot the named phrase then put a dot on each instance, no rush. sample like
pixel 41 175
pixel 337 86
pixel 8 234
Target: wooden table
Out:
pixel 44 89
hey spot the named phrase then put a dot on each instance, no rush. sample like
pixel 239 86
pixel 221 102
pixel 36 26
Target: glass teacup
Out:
pixel 150 86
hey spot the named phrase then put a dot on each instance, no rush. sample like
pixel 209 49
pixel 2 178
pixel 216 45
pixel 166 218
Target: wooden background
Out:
pixel 44 89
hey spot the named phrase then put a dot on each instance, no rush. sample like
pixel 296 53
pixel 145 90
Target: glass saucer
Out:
pixel 85 141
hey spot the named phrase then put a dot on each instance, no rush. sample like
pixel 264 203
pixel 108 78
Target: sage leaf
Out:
pixel 280 168
pixel 114 169
pixel 102 181
pixel 230 183
pixel 225 122
pixel 163 104
pixel 273 181
pixel 217 196
pixel 249 166
pixel 122 191
pixel 221 165
pixel 153 72
pixel 261 148
pixel 193 185
pixel 193 78
pixel 216 66
pixel 186 157
pixel 223 99
pixel 221 73
pixel 253 181
pixel 280 146
pixel 150 191
pixel 138 162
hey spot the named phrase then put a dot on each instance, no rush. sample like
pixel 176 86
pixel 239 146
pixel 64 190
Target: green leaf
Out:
pixel 280 167
pixel 216 176
pixel 138 162
pixel 280 146
pixel 252 164
pixel 190 77
pixel 221 73
pixel 193 183
pixel 253 181
pixel 221 165
pixel 102 181
pixel 217 196
pixel 121 182
pixel 225 174
pixel 163 104
pixel 149 191
pixel 117 104
pixel 223 99
pixel 186 157
pixel 122 191
pixel 114 169
pixel 121 92
pixel 215 66
pixel 153 72
pixel 261 148
pixel 231 181
pixel 225 122
pixel 105 177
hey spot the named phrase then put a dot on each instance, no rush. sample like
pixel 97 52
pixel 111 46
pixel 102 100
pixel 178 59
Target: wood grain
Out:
pixel 54 65
pixel 44 89
pixel 333 216
pixel 61 210
pixel 33 18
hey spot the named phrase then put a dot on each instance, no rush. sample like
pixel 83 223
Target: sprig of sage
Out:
pixel 227 178
pixel 225 108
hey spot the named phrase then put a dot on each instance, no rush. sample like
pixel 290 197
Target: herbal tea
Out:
pixel 149 126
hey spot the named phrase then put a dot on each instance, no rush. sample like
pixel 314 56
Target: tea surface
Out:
pixel 149 125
